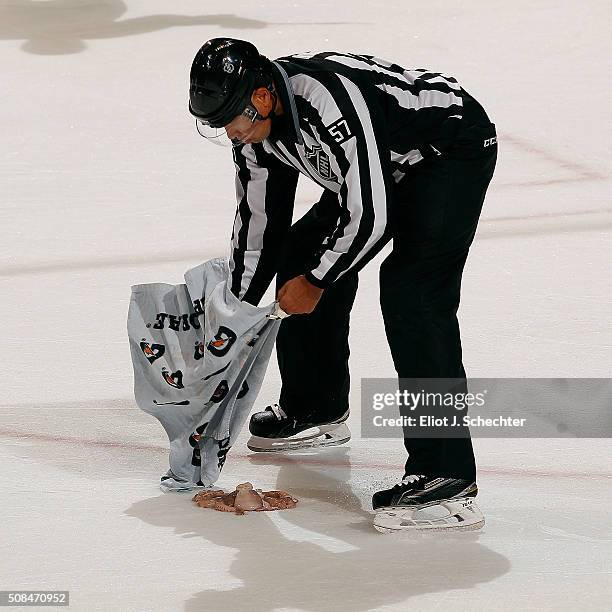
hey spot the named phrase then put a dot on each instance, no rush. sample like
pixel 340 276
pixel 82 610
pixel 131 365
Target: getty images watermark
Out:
pixel 429 404
pixel 486 407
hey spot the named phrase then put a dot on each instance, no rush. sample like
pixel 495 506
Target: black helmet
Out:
pixel 224 74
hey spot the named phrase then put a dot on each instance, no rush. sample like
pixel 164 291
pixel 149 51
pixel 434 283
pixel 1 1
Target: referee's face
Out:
pixel 242 130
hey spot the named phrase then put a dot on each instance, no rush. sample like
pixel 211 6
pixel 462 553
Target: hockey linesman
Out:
pixel 401 154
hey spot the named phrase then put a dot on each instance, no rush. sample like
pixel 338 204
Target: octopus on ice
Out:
pixel 245 499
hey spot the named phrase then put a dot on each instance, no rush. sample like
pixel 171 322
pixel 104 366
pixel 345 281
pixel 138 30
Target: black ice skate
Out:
pixel 428 503
pixel 272 430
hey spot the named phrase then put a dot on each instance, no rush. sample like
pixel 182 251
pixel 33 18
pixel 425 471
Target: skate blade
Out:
pixel 453 516
pixel 333 434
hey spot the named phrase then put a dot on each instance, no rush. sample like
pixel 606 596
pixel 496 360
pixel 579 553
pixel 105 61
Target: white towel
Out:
pixel 199 357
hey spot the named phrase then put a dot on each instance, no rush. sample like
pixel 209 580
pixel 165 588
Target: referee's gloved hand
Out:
pixel 299 296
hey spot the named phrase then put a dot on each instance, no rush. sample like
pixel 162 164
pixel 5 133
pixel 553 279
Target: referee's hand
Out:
pixel 299 296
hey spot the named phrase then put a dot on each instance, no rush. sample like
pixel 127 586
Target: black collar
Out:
pixel 285 93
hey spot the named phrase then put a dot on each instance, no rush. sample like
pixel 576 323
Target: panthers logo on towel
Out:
pixel 222 342
pixel 152 351
pixel 220 392
pixel 224 448
pixel 243 391
pixel 194 442
pixel 319 160
pixel 198 351
pixel 174 379
pixel 183 403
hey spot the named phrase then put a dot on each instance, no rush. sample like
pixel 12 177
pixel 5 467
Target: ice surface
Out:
pixel 104 183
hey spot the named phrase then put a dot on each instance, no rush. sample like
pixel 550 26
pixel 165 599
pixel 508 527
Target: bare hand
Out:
pixel 299 296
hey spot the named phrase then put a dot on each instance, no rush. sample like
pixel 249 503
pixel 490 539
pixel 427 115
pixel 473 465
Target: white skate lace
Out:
pixel 411 478
pixel 279 413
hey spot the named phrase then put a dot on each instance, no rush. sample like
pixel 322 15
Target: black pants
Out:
pixel 436 210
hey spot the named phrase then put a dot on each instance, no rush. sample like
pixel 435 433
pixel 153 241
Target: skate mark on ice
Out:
pixel 127 261
pixel 579 172
pixel 551 215
pixel 555 531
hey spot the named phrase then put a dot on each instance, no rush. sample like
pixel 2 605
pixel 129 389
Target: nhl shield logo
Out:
pixel 319 160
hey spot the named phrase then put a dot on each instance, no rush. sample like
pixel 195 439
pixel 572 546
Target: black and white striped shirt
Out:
pixel 355 123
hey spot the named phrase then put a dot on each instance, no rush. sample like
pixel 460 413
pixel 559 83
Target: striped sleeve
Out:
pixel 352 133
pixel 265 194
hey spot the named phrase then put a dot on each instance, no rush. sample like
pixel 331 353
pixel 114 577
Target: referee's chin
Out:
pixel 262 131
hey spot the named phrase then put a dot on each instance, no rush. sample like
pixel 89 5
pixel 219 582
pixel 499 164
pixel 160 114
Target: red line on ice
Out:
pixel 276 458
